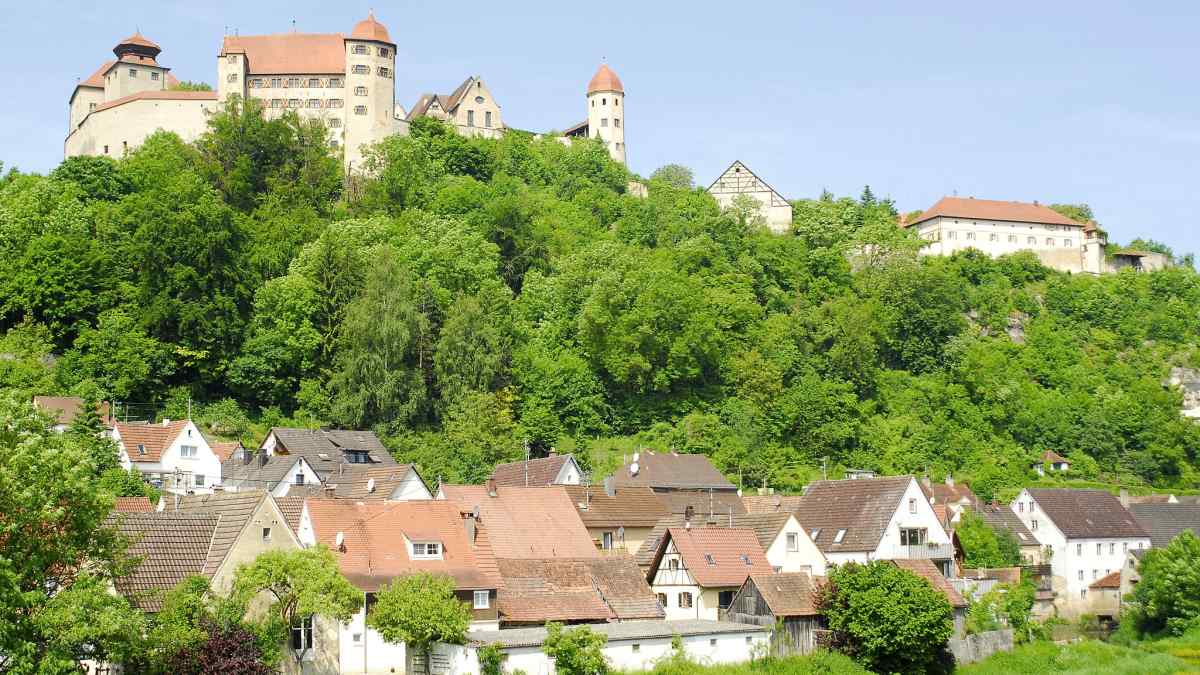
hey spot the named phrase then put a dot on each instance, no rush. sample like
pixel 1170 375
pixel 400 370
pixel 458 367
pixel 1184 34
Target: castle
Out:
pixel 347 81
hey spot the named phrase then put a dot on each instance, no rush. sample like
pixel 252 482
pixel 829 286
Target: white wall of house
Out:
pixel 673 580
pixel 301 468
pixel 412 488
pixel 569 474
pixel 914 512
pixel 794 551
pixel 1058 246
pixel 1074 562
pixel 199 473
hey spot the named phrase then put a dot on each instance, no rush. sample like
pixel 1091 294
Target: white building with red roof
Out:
pixel 1000 227
pixel 172 454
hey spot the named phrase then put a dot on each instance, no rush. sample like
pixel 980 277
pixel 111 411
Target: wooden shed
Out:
pixel 786 599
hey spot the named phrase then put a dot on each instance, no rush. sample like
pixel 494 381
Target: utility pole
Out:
pixel 526 462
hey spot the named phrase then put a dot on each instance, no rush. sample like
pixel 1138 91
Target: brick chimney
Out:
pixel 491 487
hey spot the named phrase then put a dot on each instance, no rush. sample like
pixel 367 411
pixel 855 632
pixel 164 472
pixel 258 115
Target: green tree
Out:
pixel 675 175
pixel 188 85
pixel 578 651
pixel 984 546
pixel 120 357
pixel 888 619
pixel 420 610
pixel 1167 598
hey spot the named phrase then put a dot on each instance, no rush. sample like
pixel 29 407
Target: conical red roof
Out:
pixel 138 39
pixel 605 80
pixel 370 29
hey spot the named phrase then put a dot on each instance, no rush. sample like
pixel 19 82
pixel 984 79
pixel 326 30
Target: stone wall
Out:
pixel 979 646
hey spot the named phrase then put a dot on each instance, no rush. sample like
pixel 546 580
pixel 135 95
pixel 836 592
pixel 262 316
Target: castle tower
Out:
pixel 370 88
pixel 135 69
pixel 606 111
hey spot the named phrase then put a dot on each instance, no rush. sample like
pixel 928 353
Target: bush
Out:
pixel 576 651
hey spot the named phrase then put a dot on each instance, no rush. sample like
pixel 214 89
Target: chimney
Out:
pixel 262 458
pixel 553 452
pixel 1124 497
pixel 166 421
pixel 688 512
pixel 472 524
pixel 950 480
pixel 329 491
pixel 609 488
pixel 491 487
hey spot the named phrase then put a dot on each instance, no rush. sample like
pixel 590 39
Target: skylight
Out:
pixel 746 559
pixel 837 538
pixel 709 559
pixel 814 534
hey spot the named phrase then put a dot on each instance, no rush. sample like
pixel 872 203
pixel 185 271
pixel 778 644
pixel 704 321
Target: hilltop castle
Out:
pixel 348 81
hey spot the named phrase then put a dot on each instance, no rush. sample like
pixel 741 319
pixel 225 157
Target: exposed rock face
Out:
pixel 1016 327
pixel 1188 381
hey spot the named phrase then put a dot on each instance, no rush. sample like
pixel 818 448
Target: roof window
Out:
pixel 837 538
pixel 814 534
pixel 709 559
pixel 746 559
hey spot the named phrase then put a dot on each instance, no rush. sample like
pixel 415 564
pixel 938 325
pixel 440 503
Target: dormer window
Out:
pixel 814 534
pixel 357 456
pixel 427 550
pixel 746 559
pixel 837 538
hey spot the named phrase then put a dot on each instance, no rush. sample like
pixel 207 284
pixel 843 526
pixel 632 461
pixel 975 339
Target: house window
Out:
pixel 91 106
pixel 1083 594
pixel 198 480
pixel 837 538
pixel 616 101
pixel 314 82
pixel 232 77
pixel 385 52
pixel 1032 241
pixel 662 599
pixel 971 236
pixel 360 110
pixel 912 536
pixel 616 121
pixel 912 505
pixel 385 72
pixel 360 69
pixel 335 103
pixel 636 648
pixel 1079 549
pixel 1098 548
pixel 470 118
pixel 360 49
pixel 141 447
pixel 487 119
pixel 1066 242
pixel 266 535
pixel 1095 574
pixel 360 91
pixel 276 82
pixel 256 83
pixel 231 58
pixel 710 560
pixel 187 451
pixel 479 99
pixel 299 479
pixel 993 237
pixel 133 72
pixel 276 103
pixel 314 103
pixel 952 235
pixel 302 634
pixel 335 82
pixel 143 450
pixel 357 456
pixel 1081 575
pixel 1112 548
pixel 685 600
pixel 482 600
pixel 606 541
pixel 603 121
pixel 1033 524
pixel 673 564
pixel 725 599
pixel 603 101
pixel 293 82
pixel 1012 238
pixel 154 75
pixel 1049 241
pixel 293 103
pixel 334 123
pixel 712 642
pixel 427 549
pixel 793 541
pixel 1124 547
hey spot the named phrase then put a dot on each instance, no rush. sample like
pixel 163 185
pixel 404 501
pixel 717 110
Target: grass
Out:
pixel 820 663
pixel 1185 648
pixel 1083 658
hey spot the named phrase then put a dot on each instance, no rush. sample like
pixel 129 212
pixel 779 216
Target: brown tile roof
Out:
pixel 587 589
pixel 862 507
pixel 168 547
pixel 138 39
pixel 671 470
pixel 787 593
pixel 66 408
pixel 355 479
pixel 1111 580
pixel 929 572
pixel 527 523
pixel 374 547
pixel 628 507
pixel 1087 514
pixel 1165 521
pixel 225 448
pixel 153 438
pixel 312 443
pixel 234 509
pixel 605 80
pixel 718 556
pixel 1052 457
pixel 540 472
pixel 771 503
pixel 1000 517
pixel 1005 575
pixel 1150 499
pixel 766 527
pixel 291 508
pixel 96 79
pixel 290 53
pixel 133 505
pixel 164 95
pixel 370 29
pixel 941 493
pixel 703 502
pixel 989 209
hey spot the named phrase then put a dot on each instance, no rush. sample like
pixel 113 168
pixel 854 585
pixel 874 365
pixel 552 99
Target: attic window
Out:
pixel 837 538
pixel 709 559
pixel 814 534
pixel 427 550
pixel 357 456
pixel 141 449
pixel 746 559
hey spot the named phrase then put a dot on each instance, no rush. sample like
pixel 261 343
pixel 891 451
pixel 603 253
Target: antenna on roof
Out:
pixel 293 25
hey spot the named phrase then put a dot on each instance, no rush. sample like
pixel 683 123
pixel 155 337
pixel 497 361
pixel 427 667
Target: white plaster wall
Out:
pixel 281 489
pixel 118 82
pixel 808 558
pixel 995 238
pixel 205 462
pixel 889 547
pixel 608 105
pixel 81 104
pixel 411 488
pixel 126 126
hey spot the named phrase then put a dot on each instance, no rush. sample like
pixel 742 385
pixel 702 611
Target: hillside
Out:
pixel 477 293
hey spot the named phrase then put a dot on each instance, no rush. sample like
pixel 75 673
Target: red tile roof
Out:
pixel 133 505
pixel 154 439
pixel 66 408
pixel 862 507
pixel 224 449
pixel 1112 580
pixel 370 29
pixel 375 548
pixel 989 209
pixel 162 95
pixel 527 523
pixel 290 53
pixel 588 589
pixel 138 39
pixel 929 572
pixel 734 554
pixel 628 507
pixel 96 79
pixel 531 473
pixel 605 80
pixel 771 503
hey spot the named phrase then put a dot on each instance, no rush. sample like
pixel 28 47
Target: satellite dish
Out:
pixel 339 542
pixel 633 469
pixel 370 485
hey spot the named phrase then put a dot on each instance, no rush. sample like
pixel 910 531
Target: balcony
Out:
pixel 928 551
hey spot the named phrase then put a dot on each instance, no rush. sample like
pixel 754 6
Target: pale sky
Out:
pixel 1093 102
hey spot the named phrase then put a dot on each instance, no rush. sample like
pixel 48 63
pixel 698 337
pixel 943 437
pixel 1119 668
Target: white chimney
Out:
pixel 166 421
pixel 370 485
pixel 339 541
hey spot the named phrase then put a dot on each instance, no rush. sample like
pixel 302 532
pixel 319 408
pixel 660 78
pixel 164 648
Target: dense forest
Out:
pixel 472 296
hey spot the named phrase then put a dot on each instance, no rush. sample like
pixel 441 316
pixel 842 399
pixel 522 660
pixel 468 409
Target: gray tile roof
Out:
pixel 672 470
pixel 1087 514
pixel 530 473
pixel 1165 521
pixel 323 449
pixel 629 630
pixel 168 547
pixel 234 510
pixel 1001 517
pixel 862 507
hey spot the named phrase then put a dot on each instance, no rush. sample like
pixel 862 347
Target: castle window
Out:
pixel 360 49
pixel 487 119
pixel 1031 240
pixel 154 75
pixel 232 77
pixel 360 91
pixel 106 149
pixel 334 123
pixel 276 103
pixel 360 69
pixel 593 103
pixel 91 106
pixel 384 72
pixel 470 118
pixel 385 52
pixel 314 103
pixel 360 110
pixel 293 82
pixel 603 121
pixel 276 82
pixel 133 72
pixel 971 236
pixel 951 235
pixel 314 82
pixel 1012 238
pixel 603 101
pixel 335 103
pixel 293 103
pixel 1049 241
pixel 256 83
pixel 1066 242
pixel 335 82
pixel 231 58
pixel 993 237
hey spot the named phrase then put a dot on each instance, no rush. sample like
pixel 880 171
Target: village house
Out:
pixel 1051 461
pixel 1002 519
pixel 553 470
pixel 783 539
pixel 783 599
pixel 471 109
pixel 1088 534
pixel 868 519
pixel 571 591
pixel 617 519
pixel 302 458
pixel 377 542
pixel 64 410
pixel 738 180
pixel 172 455
pixel 697 571
pixel 681 482
pixel 1105 597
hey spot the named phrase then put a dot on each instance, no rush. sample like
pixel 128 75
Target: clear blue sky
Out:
pixel 1095 102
